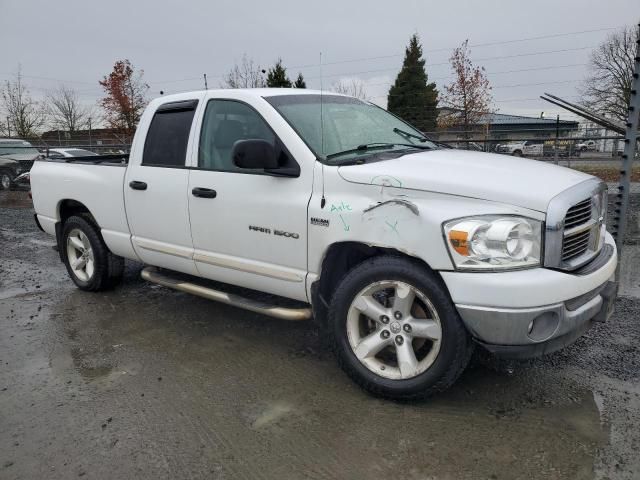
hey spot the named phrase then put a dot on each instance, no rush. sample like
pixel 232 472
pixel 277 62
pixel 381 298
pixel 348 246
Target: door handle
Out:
pixel 136 185
pixel 203 192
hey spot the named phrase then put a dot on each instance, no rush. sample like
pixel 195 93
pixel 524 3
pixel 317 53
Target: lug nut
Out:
pixel 399 340
pixel 407 328
pixel 384 319
pixel 384 334
pixel 397 315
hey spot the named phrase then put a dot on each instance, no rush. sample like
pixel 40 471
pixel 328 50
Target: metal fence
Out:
pixel 597 155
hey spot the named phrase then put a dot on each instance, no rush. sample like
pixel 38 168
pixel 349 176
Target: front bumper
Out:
pixel 519 323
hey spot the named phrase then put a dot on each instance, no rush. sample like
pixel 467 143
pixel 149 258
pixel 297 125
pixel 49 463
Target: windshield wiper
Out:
pixel 410 135
pixel 376 146
pixel 361 148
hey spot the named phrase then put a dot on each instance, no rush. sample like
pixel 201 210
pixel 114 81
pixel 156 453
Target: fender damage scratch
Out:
pixel 406 203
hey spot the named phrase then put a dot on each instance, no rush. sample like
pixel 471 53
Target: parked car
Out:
pixel 23 182
pixel 16 157
pixel 408 256
pixel 589 145
pixel 521 149
pixel 69 153
pixel 466 146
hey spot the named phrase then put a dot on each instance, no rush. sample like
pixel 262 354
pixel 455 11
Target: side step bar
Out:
pixel 151 274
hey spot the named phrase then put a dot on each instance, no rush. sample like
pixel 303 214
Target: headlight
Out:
pixel 493 242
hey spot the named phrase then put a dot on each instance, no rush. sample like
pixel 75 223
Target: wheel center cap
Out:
pixel 395 327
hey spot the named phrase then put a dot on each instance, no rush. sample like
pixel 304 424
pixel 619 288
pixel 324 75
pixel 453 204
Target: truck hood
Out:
pixel 499 178
pixel 20 157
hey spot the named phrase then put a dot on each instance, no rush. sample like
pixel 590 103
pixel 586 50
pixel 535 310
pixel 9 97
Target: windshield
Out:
pixel 20 148
pixel 348 123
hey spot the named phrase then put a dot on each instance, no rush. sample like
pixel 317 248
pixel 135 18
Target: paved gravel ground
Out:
pixel 144 382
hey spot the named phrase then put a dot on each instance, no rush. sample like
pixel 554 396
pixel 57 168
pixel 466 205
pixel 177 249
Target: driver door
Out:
pixel 248 228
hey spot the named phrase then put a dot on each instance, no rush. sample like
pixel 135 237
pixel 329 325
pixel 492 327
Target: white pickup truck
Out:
pixel 526 148
pixel 408 256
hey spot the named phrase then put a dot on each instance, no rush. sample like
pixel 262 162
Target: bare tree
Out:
pixel 25 116
pixel 353 87
pixel 608 85
pixel 247 74
pixel 65 110
pixel 468 96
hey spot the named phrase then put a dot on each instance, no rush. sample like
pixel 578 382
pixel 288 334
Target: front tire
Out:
pixel 5 181
pixel 90 264
pixel 395 330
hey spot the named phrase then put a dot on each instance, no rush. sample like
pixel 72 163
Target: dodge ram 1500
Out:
pixel 407 255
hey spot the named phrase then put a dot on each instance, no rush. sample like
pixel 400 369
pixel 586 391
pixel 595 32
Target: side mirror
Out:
pixel 254 153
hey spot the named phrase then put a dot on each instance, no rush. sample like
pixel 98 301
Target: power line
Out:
pixel 553 67
pixel 503 86
pixel 36 77
pixel 478 45
pixel 501 57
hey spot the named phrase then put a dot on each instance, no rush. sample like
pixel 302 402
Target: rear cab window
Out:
pixel 168 135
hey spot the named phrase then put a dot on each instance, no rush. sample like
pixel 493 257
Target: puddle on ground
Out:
pixel 238 377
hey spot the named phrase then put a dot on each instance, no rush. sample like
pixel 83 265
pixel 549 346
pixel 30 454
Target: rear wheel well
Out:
pixel 338 261
pixel 69 208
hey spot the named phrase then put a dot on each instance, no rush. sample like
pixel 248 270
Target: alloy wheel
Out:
pixel 80 255
pixel 394 330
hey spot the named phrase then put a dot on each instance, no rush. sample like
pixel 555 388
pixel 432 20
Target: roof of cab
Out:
pixel 258 92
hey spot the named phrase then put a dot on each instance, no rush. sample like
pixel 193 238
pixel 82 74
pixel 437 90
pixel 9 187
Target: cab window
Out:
pixel 168 135
pixel 225 122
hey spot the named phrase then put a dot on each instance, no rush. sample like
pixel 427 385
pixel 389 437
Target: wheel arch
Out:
pixel 338 259
pixel 69 207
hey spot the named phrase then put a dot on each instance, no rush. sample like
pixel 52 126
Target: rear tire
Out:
pixel 90 264
pixel 395 331
pixel 517 153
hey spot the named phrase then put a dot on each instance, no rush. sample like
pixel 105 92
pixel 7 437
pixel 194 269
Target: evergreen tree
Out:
pixel 412 97
pixel 277 76
pixel 300 83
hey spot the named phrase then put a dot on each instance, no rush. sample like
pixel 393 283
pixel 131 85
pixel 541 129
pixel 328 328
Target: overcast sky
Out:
pixel 77 41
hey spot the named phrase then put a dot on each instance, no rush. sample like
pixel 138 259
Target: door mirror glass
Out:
pixel 254 153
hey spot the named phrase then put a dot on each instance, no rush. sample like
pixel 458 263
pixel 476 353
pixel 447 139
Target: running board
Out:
pixel 151 274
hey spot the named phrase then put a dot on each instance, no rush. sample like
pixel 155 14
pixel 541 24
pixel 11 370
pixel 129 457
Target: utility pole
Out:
pixel 206 87
pixel 8 128
pixel 621 203
pixel 89 131
pixel 555 144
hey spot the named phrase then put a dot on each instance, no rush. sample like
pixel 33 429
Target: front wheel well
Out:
pixel 339 259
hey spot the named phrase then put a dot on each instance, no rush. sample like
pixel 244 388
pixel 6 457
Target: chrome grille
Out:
pixel 26 165
pixel 578 214
pixel 581 229
pixel 575 245
pixel 574 227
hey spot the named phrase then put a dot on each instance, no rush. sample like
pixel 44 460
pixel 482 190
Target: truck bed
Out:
pixel 95 182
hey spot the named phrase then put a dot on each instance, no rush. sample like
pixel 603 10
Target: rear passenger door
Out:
pixel 156 189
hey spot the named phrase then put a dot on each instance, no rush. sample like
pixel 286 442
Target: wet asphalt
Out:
pixel 144 382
